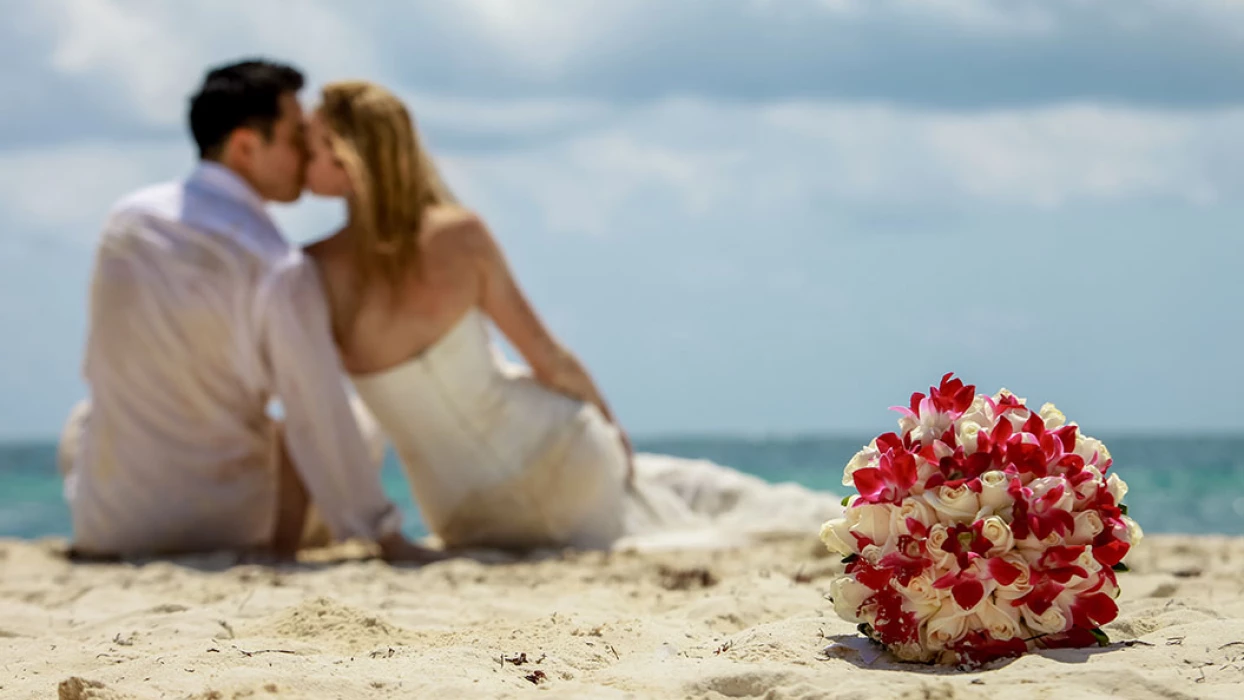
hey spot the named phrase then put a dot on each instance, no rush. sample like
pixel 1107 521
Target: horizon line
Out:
pixel 790 435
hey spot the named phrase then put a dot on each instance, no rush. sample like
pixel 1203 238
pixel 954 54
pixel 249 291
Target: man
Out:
pixel 201 313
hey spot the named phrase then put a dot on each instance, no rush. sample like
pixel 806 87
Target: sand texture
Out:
pixel 748 622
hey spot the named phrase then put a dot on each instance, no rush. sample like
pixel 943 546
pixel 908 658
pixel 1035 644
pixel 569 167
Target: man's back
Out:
pixel 176 369
pixel 200 314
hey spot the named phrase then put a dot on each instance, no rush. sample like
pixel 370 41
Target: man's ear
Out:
pixel 240 148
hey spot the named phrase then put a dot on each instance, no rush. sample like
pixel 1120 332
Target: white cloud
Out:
pixel 1039 157
pixel 152 54
pixel 70 188
pixel 142 56
pixel 782 160
pixel 695 160
pixel 545 35
pixel 517 117
pixel 128 44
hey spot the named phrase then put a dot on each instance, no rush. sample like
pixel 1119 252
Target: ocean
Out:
pixel 1178 484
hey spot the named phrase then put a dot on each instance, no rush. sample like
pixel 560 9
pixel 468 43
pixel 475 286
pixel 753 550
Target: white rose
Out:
pixel 1042 486
pixel 978 414
pixel 866 457
pixel 1053 417
pixel 924 470
pixel 1032 548
pixel 994 496
pixel 1134 533
pixel 938 534
pixel 1087 489
pixel 967 435
pixel 835 534
pixel 914 509
pixel 1088 527
pixel 848 595
pixel 1052 621
pixel 922 598
pixel 954 505
pixel 872 520
pixel 1002 621
pixel 1018 417
pixel 1022 585
pixel 1088 562
pixel 931 426
pixel 999 534
pixel 1107 587
pixel 1117 488
pixel 948 625
pixel 1090 448
pixel 873 553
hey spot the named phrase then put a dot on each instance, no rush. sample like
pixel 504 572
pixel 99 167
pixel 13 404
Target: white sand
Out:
pixel 622 625
pixel 744 622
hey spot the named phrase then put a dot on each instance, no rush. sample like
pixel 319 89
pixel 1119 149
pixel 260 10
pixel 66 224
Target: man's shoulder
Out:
pixel 162 199
pixel 289 270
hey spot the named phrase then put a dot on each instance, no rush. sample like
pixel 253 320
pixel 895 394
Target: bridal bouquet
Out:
pixel 982 530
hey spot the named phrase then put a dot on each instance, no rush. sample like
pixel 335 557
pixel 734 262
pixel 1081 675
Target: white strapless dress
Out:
pixel 497 460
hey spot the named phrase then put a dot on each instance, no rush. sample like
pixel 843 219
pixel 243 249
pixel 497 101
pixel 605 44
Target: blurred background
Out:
pixel 759 222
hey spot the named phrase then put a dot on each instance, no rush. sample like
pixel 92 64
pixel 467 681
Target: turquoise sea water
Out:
pixel 1182 484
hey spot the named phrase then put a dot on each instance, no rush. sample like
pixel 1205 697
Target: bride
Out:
pixel 497 455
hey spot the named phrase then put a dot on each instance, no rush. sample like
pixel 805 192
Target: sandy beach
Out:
pixel 748 622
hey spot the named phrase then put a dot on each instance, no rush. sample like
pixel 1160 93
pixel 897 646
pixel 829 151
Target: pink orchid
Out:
pixel 952 397
pixel 1092 608
pixel 965 587
pixel 889 482
pixel 1059 563
pixel 908 561
pixel 893 623
pixel 1039 515
pixel 1041 597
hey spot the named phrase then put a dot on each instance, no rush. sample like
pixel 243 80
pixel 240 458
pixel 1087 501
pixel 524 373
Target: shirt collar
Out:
pixel 223 181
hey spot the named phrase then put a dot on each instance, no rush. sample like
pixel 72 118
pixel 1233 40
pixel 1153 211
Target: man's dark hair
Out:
pixel 243 94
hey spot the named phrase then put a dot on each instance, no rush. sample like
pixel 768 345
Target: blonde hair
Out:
pixel 393 180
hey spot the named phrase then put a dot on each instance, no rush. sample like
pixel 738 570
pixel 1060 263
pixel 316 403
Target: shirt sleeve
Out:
pixel 321 433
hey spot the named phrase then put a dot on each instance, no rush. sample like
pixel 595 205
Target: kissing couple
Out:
pixel 202 316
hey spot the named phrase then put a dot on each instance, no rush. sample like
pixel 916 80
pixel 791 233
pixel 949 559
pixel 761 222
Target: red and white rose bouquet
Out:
pixel 982 530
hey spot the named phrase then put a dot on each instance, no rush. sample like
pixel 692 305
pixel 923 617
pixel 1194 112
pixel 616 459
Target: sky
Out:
pixel 745 216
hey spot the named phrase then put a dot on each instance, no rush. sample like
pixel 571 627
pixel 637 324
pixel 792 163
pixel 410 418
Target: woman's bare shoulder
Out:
pixel 333 257
pixel 455 230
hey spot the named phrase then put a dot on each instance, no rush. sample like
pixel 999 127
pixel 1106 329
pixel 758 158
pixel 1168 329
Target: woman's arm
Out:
pixel 552 364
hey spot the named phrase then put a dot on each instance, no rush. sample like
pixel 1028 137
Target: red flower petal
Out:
pixel 1094 610
pixel 904 469
pixel 968 593
pixel 1110 552
pixel 1035 425
pixel 888 441
pixel 1074 638
pixel 1003 571
pixel 868 482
